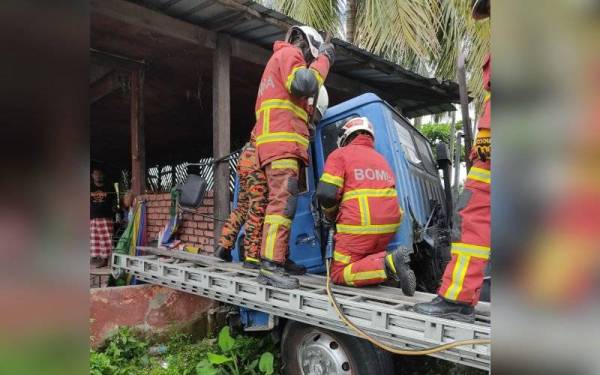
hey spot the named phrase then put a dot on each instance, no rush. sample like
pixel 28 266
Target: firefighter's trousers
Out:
pixel 358 260
pixel 470 249
pixel 250 212
pixel 282 179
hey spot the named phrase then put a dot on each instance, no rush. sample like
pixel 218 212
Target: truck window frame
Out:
pixel 336 125
pixel 426 162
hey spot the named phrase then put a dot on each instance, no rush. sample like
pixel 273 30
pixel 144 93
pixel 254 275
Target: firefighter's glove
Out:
pixel 483 146
pixel 327 222
pixel 329 214
pixel 328 50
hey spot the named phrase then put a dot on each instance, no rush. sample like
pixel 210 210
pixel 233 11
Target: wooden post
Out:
pixel 464 104
pixel 138 144
pixel 221 129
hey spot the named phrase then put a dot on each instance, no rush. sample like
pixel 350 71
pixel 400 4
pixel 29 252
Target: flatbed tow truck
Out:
pixel 315 340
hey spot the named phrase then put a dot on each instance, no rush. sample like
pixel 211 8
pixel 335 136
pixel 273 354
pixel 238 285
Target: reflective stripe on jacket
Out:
pixel 281 119
pixel 366 189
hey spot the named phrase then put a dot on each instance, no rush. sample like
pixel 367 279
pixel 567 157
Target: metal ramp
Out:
pixel 383 312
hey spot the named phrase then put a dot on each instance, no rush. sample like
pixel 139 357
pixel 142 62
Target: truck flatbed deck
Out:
pixel 384 312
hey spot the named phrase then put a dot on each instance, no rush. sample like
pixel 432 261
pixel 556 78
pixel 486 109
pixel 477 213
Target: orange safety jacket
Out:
pixel 281 119
pixel 366 190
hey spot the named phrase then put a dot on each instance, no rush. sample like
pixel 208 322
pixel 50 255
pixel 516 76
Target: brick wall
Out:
pixel 195 230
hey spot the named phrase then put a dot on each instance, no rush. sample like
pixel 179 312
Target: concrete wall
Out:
pixel 195 230
pixel 149 309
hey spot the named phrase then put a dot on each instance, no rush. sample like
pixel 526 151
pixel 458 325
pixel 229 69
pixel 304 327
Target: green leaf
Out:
pixel 253 364
pixel 217 359
pixel 205 368
pixel 226 342
pixel 266 363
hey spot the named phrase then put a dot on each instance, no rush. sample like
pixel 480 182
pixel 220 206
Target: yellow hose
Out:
pixel 366 336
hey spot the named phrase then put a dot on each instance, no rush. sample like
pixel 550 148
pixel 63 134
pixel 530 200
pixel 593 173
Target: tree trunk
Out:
pixel 351 10
pixel 417 122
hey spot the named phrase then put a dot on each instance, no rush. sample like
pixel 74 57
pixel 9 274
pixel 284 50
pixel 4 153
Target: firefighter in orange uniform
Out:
pixel 250 211
pixel 294 73
pixel 357 189
pixel 470 250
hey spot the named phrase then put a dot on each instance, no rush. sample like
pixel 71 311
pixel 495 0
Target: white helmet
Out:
pixel 352 126
pixel 311 35
pixel 322 103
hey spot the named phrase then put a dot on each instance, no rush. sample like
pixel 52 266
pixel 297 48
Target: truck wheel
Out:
pixel 308 350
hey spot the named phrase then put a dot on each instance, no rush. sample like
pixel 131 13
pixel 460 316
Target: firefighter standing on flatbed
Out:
pixel 358 191
pixel 470 251
pixel 252 199
pixel 294 73
pixel 250 211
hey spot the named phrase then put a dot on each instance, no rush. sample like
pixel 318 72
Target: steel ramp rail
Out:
pixel 378 310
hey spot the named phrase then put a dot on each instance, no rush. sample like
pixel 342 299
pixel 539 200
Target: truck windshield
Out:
pixel 330 135
pixel 415 146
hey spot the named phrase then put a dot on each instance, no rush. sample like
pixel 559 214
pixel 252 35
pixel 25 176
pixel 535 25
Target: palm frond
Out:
pixel 421 35
pixel 403 30
pixel 323 15
pixel 458 30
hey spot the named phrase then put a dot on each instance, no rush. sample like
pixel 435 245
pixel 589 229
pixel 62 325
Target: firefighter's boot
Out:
pixel 251 263
pixel 293 268
pixel 397 268
pixel 443 308
pixel 274 274
pixel 223 253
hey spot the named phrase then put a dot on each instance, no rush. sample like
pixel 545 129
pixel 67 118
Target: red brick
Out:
pixel 208 201
pixel 187 216
pixel 202 225
pixel 184 237
pixel 191 224
pixel 211 226
pixel 192 238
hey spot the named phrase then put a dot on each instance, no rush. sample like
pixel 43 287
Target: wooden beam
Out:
pixel 221 128
pixel 104 86
pixel 138 144
pixel 157 22
pixel 115 61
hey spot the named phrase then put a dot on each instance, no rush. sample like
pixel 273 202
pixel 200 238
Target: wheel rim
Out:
pixel 321 354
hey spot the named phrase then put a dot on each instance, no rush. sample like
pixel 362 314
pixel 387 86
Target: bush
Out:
pixel 243 355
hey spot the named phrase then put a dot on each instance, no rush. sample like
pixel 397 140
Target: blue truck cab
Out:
pixel 425 227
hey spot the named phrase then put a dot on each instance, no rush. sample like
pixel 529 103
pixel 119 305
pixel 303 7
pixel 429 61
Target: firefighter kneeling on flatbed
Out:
pixel 358 191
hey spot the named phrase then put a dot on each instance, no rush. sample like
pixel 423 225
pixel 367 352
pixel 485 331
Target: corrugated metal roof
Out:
pixel 414 94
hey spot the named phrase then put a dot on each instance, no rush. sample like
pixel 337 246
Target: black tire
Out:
pixel 362 357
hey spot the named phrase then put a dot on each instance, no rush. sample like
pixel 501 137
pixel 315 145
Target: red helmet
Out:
pixel 352 126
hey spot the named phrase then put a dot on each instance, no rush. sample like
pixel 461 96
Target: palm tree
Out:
pixel 420 35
